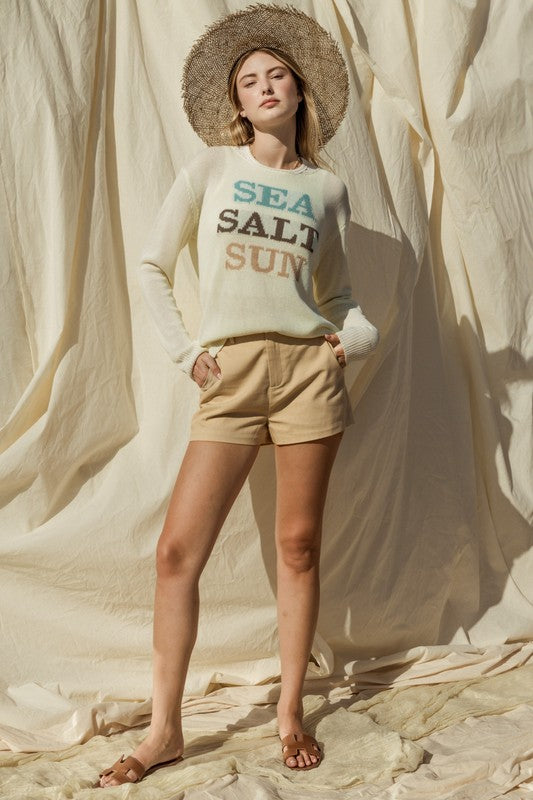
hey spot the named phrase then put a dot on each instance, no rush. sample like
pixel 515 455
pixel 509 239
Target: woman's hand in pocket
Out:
pixel 202 365
pixel 338 349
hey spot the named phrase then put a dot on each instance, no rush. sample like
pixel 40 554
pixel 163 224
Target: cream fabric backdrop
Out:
pixel 427 526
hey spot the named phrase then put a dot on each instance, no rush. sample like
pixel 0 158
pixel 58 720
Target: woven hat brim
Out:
pixel 285 28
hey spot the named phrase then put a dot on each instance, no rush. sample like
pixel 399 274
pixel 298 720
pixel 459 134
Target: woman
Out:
pixel 266 227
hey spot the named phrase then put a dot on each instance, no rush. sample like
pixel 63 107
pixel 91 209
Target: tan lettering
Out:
pixel 235 250
pixel 255 258
pixel 296 262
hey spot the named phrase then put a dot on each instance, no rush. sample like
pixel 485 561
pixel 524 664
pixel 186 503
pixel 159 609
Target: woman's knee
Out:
pixel 173 558
pixel 299 549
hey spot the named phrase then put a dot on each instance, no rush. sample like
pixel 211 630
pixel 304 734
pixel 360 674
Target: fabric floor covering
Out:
pixel 469 739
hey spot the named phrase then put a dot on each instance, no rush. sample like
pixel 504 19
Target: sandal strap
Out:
pixel 121 767
pixel 292 745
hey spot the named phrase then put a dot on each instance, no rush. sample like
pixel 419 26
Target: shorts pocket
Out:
pixel 210 377
pixel 332 351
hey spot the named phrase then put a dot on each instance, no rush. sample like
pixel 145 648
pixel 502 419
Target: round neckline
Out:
pixel 245 149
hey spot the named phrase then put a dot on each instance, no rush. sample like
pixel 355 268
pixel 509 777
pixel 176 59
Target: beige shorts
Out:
pixel 273 389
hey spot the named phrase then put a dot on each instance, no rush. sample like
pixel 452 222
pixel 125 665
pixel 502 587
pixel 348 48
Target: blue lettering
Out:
pixel 242 186
pixel 303 203
pixel 272 197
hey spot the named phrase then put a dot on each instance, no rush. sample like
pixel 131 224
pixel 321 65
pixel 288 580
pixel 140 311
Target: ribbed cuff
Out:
pixel 358 342
pixel 187 360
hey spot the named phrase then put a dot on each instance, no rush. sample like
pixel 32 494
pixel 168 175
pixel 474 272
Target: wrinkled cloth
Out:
pixel 427 529
pixel 471 740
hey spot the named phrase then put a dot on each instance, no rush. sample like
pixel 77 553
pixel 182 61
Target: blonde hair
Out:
pixel 308 132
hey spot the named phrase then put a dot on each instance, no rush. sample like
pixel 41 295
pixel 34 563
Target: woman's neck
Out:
pixel 275 151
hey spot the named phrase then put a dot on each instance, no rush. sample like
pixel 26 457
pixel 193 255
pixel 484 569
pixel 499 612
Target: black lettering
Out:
pixel 227 215
pixel 278 233
pixel 308 244
pixel 254 226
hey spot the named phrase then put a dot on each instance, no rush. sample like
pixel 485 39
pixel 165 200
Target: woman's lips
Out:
pixel 269 103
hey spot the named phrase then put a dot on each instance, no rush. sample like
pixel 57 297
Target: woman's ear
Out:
pixel 242 112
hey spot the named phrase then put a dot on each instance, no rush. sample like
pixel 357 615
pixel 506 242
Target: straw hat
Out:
pixel 207 67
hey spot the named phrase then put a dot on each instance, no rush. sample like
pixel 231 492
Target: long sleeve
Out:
pixel 172 229
pixel 270 249
pixel 333 293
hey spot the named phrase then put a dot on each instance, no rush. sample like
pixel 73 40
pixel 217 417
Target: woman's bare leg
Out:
pixel 303 472
pixel 209 480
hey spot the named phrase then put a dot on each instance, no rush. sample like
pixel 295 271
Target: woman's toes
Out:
pixel 304 759
pixel 108 780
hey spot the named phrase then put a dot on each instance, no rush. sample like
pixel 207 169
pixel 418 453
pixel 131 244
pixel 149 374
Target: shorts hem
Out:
pixel 226 438
pixel 297 438
pixel 311 436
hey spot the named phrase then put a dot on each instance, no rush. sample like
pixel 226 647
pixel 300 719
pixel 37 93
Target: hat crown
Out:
pixel 284 28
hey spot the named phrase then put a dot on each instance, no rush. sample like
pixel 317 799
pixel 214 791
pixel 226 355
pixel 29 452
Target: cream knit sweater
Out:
pixel 269 248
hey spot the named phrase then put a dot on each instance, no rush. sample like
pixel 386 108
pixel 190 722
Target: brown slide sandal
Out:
pixel 292 746
pixel 120 769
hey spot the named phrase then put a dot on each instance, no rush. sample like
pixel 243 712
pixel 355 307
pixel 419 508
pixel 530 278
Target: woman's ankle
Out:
pixel 167 733
pixel 290 709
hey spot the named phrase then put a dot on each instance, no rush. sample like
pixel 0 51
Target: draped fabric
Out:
pixel 427 558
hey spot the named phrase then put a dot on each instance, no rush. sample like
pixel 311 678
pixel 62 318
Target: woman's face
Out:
pixel 267 91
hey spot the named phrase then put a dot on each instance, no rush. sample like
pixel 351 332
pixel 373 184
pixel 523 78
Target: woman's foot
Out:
pixel 153 750
pixel 302 749
pixel 307 752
